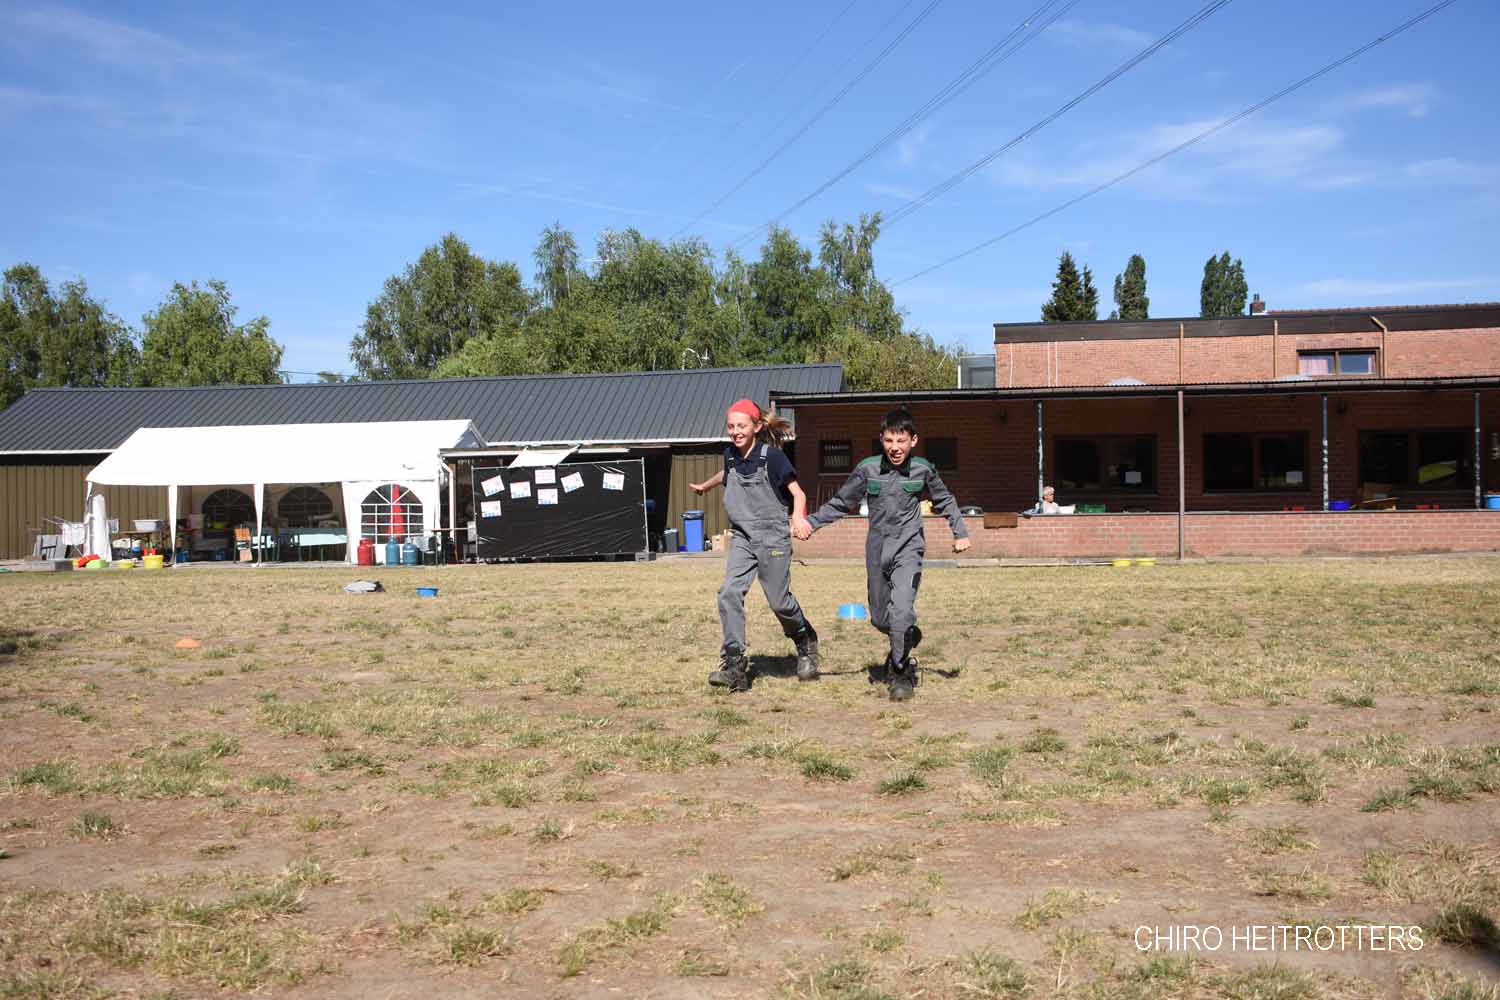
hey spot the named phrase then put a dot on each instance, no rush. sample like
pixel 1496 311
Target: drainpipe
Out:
pixel 1039 483
pixel 1478 498
pixel 1181 342
pixel 1325 451
pixel 1384 332
pixel 1275 338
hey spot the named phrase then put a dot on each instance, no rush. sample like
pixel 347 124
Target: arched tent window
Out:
pixel 390 512
pixel 228 508
pixel 304 507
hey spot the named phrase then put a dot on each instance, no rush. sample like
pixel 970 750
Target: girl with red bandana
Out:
pixel 761 497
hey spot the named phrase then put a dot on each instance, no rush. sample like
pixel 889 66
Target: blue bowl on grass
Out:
pixel 853 612
pixel 427 591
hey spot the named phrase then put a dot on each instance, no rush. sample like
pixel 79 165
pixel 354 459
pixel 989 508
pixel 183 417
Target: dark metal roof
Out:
pixel 1287 323
pixel 625 407
pixel 1290 386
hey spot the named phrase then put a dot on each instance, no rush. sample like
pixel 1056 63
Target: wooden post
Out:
pixel 1181 484
pixel 452 509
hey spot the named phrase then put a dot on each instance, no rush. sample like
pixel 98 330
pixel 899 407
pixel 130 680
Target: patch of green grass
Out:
pixel 989 764
pixel 94 824
pixel 1269 982
pixel 1388 799
pixel 1467 925
pixel 271 782
pixel 465 944
pixel 721 898
pixel 694 963
pixel 989 974
pixel 619 933
pixel 55 776
pixel 1347 699
pixel 514 902
pixel 1280 838
pixel 317 824
pixel 608 870
pixel 1051 906
pixel 353 760
pixel 550 830
pixel 1304 886
pixel 1044 740
pixel 161 774
pixel 905 783
pixel 820 766
pixel 869 861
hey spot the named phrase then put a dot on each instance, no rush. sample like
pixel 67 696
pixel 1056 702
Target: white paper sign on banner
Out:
pixel 572 481
pixel 492 485
pixel 546 477
pixel 614 480
pixel 546 498
pixel 489 508
pixel 520 490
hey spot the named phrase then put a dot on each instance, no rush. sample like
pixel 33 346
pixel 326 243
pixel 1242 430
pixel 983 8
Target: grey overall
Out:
pixel 894 541
pixel 760 542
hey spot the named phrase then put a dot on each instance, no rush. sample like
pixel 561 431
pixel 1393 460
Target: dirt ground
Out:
pixel 525 788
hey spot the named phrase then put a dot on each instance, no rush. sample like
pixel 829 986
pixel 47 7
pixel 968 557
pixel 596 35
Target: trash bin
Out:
pixel 692 530
pixel 669 540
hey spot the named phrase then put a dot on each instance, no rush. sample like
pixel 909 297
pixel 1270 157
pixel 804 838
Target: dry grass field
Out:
pixel 525 788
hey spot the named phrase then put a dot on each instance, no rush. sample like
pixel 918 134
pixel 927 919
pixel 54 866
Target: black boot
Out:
pixel 903 680
pixel 807 654
pixel 733 672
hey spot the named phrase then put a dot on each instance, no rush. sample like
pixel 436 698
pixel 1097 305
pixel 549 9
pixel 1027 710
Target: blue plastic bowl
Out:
pixel 1339 505
pixel 427 591
pixel 853 612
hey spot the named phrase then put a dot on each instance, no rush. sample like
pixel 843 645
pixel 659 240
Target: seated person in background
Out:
pixel 1047 505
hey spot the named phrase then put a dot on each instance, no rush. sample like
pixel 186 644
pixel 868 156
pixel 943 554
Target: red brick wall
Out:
pixel 1409 354
pixel 1207 535
pixel 997 443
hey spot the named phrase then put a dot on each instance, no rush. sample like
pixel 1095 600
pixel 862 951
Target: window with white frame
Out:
pixel 389 512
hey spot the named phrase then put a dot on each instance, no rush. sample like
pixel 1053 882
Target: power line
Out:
pixel 1026 31
pixel 796 64
pixel 938 190
pixel 818 115
pixel 1211 130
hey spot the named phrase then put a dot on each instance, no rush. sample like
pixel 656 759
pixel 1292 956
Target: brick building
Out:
pixel 1287 416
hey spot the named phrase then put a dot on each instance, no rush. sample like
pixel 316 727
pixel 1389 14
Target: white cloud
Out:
pixel 1347 289
pixel 892 191
pixel 1082 34
pixel 1414 99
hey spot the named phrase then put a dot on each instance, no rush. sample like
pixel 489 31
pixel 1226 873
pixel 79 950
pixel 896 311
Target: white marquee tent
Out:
pixel 361 457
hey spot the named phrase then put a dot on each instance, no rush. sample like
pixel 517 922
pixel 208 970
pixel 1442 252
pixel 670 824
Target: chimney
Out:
pixel 1257 306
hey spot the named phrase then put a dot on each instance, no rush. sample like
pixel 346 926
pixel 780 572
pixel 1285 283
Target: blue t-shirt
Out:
pixel 778 469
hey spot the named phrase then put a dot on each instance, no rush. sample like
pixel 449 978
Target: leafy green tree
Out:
pixel 556 257
pixel 908 360
pixel 192 339
pixel 789 316
pixel 1130 291
pixel 1073 297
pixel 1224 291
pixel 65 339
pixel 431 310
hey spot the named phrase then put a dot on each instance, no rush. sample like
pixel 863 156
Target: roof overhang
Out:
pixel 1290 387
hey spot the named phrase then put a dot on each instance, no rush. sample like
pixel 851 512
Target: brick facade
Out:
pixel 997 444
pixel 1105 536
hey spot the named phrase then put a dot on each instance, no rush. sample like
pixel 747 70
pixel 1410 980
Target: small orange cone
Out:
pixel 188 642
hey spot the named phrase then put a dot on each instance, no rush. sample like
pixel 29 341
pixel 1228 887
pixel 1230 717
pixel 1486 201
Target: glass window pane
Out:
pixel 1384 457
pixel 1315 364
pixel 1283 462
pixel 1441 460
pixel 1077 465
pixel 1228 462
pixel 1356 362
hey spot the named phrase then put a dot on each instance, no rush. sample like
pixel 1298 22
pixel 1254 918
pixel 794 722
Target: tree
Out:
pixel 1130 291
pixel 58 340
pixel 786 289
pixel 556 257
pixel 1072 298
pixel 909 360
pixel 1224 291
pixel 192 339
pixel 431 310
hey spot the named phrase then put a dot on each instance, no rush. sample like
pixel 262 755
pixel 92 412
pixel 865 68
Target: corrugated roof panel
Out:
pixel 667 406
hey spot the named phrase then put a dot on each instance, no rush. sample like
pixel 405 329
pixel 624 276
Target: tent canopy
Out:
pixel 392 452
pixel 361 457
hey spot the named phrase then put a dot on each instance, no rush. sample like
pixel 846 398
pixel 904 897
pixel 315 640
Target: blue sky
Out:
pixel 304 153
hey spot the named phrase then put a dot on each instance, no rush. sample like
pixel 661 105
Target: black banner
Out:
pixel 569 510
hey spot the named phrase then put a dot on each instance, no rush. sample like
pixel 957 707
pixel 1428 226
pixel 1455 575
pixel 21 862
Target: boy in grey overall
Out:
pixel 894 484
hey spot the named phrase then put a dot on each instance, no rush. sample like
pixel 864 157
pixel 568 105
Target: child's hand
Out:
pixel 698 488
pixel 960 544
pixel 801 528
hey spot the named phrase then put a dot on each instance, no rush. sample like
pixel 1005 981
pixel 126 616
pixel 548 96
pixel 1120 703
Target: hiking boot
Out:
pixel 807 654
pixel 913 639
pixel 882 673
pixel 903 681
pixel 733 672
